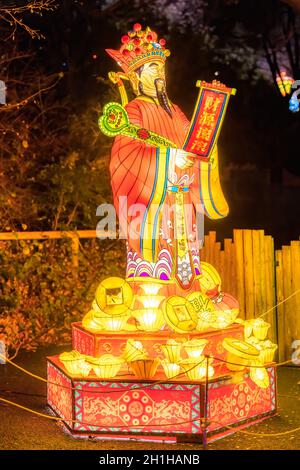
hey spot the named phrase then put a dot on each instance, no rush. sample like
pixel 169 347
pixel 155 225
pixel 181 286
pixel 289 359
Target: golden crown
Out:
pixel 138 47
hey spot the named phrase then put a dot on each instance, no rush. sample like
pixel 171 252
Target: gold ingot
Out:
pixel 260 328
pixel 194 348
pixel 144 368
pixel 171 369
pixel 150 301
pixel 225 318
pixel 114 296
pixel 89 322
pixel 151 288
pixel 206 320
pixel 254 341
pixel 106 366
pixel 85 369
pixel 171 350
pixel 75 363
pixel 133 350
pixel 267 351
pixel 150 319
pixel 115 323
pixel 196 369
pixel 180 314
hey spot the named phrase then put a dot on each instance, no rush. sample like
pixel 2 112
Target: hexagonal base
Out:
pixel 124 408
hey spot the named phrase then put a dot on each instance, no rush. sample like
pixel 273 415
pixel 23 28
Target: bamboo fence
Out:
pixel 251 270
pixel 260 278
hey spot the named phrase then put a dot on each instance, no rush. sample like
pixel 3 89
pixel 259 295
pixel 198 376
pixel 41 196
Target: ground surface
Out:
pixel 22 430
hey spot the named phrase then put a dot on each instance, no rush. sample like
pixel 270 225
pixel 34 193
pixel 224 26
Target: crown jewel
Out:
pixel 138 47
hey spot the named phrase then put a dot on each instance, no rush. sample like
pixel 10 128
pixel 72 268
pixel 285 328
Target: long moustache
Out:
pixel 162 97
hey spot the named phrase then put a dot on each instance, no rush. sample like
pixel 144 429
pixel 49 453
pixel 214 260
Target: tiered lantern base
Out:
pixel 159 409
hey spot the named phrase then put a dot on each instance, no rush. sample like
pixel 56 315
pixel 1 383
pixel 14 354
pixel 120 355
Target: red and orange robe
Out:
pixel 163 243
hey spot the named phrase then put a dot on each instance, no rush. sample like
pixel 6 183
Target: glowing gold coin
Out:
pixel 240 348
pixel 114 296
pixel 180 314
pixel 209 278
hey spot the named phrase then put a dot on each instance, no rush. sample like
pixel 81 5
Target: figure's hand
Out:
pixel 182 159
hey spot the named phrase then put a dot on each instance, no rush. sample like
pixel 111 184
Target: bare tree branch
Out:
pixel 26 100
pixel 12 15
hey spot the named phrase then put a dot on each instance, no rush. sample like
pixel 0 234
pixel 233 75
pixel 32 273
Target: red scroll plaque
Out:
pixel 208 118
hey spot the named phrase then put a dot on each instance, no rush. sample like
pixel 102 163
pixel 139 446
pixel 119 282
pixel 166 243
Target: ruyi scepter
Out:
pixel 115 121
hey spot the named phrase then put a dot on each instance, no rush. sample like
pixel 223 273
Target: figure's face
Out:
pixel 150 79
pixel 153 78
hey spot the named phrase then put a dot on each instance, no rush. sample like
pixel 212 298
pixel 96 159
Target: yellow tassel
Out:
pixel 116 78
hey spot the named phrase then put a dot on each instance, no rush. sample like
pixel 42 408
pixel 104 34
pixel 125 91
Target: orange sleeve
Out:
pixel 132 170
pixel 185 121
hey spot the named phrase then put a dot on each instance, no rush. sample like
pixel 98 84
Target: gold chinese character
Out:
pixel 203 147
pixel 208 102
pixel 204 133
pixel 212 103
pixel 195 146
pixel 207 119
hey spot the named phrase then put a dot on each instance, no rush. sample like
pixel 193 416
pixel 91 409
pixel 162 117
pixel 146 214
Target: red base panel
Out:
pixel 239 404
pixel 122 408
pixel 96 344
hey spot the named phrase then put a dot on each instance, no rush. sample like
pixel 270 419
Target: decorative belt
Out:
pixel 178 189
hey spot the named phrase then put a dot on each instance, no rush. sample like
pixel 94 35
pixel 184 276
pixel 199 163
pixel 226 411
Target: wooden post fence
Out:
pixel 247 269
pixel 250 269
pixel 74 236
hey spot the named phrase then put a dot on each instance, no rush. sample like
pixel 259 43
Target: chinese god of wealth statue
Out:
pixel 164 176
pixel 159 322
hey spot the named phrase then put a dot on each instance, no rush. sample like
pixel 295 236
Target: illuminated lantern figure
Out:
pixel 169 321
pixel 166 181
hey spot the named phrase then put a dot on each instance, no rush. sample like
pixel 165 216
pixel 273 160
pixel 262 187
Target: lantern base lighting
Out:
pixel 126 408
pixel 110 342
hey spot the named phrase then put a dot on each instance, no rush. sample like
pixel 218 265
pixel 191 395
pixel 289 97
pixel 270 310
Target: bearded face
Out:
pixel 150 80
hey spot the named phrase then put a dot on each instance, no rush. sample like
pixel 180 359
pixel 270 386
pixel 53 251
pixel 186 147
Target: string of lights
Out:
pixel 204 422
pixel 156 382
pixel 42 379
pixel 279 303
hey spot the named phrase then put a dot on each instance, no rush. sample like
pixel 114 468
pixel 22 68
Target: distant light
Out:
pixel 294 104
pixel 284 83
pixel 216 73
pixel 95 56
